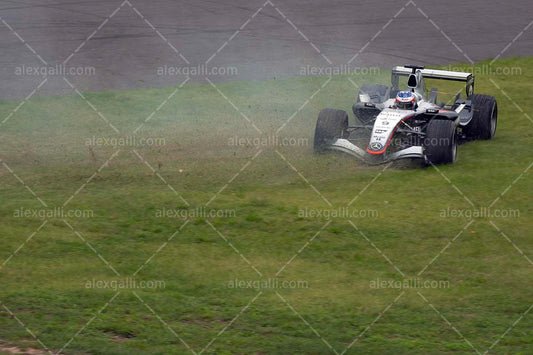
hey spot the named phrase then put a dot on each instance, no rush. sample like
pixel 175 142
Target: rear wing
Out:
pixel 468 78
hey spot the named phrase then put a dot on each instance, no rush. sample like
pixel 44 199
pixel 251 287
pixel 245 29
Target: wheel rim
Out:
pixel 454 150
pixel 493 121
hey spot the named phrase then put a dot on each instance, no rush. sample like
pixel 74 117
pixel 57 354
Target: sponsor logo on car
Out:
pixel 376 146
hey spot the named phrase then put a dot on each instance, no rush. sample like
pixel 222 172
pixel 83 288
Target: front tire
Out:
pixel 485 118
pixel 440 143
pixel 330 124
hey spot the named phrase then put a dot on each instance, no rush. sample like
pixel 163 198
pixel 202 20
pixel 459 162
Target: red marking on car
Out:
pixel 390 137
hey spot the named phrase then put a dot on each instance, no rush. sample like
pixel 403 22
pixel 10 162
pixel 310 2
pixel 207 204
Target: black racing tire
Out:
pixel 440 143
pixel 485 118
pixel 330 124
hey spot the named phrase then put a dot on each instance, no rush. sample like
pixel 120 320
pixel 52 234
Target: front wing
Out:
pixel 348 147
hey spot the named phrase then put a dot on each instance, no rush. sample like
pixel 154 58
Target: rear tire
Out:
pixel 330 124
pixel 440 143
pixel 485 118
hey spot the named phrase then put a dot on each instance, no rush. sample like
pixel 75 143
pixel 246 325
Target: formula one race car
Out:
pixel 394 124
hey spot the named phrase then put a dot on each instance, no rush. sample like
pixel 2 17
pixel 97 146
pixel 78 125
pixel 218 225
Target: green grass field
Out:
pixel 396 233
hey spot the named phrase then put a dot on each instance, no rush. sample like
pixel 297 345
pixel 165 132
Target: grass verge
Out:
pixel 278 266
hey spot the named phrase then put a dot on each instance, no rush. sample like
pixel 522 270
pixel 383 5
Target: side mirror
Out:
pixel 470 86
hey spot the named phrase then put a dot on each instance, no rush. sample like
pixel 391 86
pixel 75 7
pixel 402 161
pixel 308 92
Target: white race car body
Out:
pixel 398 132
pixel 385 125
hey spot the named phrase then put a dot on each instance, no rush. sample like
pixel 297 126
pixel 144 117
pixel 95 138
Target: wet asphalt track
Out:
pixel 127 53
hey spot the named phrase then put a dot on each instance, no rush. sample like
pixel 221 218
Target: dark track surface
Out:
pixel 126 52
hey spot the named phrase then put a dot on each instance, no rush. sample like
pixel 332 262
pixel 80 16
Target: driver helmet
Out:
pixel 406 100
